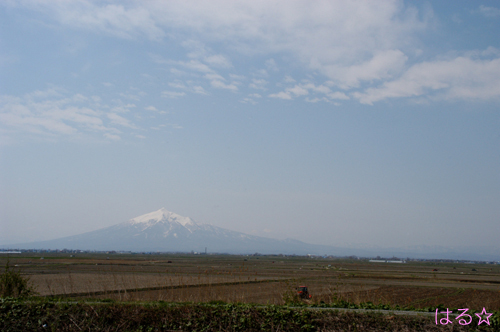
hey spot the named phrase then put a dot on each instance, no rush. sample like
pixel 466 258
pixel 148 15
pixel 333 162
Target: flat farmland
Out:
pixel 259 279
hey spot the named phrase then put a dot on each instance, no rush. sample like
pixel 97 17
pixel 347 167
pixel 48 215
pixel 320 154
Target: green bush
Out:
pixel 19 315
pixel 12 284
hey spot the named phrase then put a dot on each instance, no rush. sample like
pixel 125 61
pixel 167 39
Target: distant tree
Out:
pixel 13 284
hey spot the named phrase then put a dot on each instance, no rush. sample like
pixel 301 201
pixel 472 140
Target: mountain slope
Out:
pixel 166 231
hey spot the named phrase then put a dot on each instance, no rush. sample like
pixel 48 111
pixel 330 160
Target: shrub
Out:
pixel 290 296
pixel 12 284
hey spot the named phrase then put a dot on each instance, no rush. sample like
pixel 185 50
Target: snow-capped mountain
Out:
pixel 166 231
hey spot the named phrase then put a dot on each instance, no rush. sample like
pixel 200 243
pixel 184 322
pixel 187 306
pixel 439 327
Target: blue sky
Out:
pixel 356 123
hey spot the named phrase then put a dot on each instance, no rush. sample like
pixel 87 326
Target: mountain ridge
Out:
pixel 165 231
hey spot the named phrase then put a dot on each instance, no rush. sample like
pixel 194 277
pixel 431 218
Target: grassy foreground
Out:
pixel 35 315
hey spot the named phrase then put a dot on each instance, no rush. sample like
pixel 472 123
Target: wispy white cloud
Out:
pixel 120 120
pixel 271 65
pixel 218 60
pixel 316 99
pixel 251 98
pixel 298 91
pixel 248 101
pixel 165 125
pixel 489 11
pixel 365 48
pixel 112 137
pixel 456 79
pixel 154 109
pixel 177 85
pixel 259 84
pixel 280 95
pixel 175 126
pixel 307 88
pixel 338 95
pixel 122 108
pixel 215 79
pixel 384 65
pixel 52 113
pixel 199 90
pixel 189 86
pixel 237 77
pixel 214 76
pixel 177 72
pixel 130 20
pixel 350 42
pixel 199 51
pixel 196 66
pixel 261 73
pixel 193 65
pixel 221 85
pixel 44 94
pixel 132 96
pixel 172 94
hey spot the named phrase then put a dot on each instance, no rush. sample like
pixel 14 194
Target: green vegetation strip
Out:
pixel 20 315
pixel 131 290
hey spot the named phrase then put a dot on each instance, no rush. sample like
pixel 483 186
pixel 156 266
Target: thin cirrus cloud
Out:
pixel 112 19
pixel 490 12
pixel 221 85
pixel 384 65
pixel 320 33
pixel 307 89
pixel 259 84
pixel 52 114
pixel 120 120
pixel 450 80
pixel 186 87
pixel 172 94
pixel 189 87
pixel 365 48
pixel 198 69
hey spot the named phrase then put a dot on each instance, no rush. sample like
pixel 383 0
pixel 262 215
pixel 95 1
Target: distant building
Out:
pixel 385 261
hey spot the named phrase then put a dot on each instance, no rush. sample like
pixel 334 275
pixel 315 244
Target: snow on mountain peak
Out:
pixel 162 215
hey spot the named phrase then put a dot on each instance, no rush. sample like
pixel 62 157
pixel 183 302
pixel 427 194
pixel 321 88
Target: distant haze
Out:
pixel 166 231
pixel 351 124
